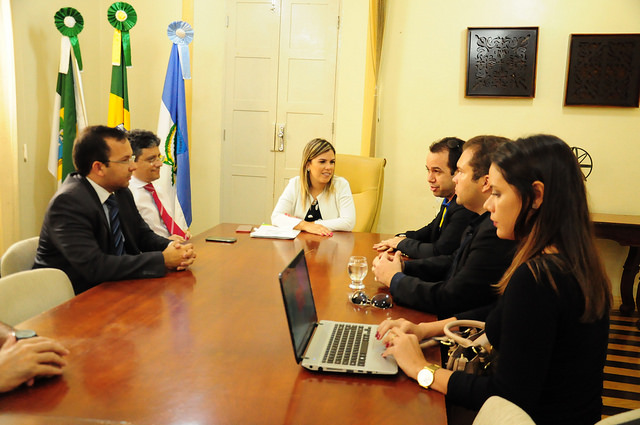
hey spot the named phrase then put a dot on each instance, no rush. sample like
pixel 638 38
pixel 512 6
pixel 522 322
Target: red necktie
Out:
pixel 172 227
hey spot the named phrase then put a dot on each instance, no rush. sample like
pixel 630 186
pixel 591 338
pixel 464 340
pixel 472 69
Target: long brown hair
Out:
pixel 562 220
pixel 313 149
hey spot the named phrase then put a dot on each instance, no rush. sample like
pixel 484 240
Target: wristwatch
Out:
pixel 24 334
pixel 426 375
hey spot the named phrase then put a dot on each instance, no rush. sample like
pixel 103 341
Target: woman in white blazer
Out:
pixel 316 201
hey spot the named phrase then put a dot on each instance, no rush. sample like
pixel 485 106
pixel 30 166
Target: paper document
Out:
pixel 272 232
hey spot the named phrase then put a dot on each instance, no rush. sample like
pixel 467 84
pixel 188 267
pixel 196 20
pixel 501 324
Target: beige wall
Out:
pixel 422 99
pixel 206 120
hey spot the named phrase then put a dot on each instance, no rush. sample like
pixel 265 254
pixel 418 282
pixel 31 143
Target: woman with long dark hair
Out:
pixel 550 325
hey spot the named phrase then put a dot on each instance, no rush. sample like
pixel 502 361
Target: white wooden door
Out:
pixel 281 67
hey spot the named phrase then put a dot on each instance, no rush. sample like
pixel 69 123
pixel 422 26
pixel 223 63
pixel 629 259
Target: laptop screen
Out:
pixel 298 303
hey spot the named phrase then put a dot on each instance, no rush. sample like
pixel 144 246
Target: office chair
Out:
pixel 499 411
pixel 366 178
pixel 20 256
pixel 28 293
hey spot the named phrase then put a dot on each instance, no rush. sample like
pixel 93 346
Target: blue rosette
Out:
pixel 181 34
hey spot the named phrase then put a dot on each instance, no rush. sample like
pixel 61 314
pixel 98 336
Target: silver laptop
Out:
pixel 327 346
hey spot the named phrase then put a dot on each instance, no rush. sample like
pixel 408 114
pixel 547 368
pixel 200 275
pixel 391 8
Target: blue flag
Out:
pixel 175 179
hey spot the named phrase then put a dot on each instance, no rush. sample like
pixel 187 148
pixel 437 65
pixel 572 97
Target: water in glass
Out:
pixel 358 268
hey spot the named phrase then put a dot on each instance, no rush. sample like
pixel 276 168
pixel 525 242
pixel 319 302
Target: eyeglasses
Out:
pixel 131 160
pixel 153 160
pixel 378 300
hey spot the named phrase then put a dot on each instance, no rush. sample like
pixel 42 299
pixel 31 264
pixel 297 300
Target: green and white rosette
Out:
pixel 70 23
pixel 181 34
pixel 122 17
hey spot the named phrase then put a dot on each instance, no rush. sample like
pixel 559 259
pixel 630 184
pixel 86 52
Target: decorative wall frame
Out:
pixel 502 61
pixel 604 70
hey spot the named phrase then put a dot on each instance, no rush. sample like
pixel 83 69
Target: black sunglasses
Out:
pixel 378 300
pixel 453 144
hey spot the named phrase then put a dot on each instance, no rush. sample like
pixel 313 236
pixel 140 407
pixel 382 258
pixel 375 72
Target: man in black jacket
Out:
pixel 442 235
pixel 92 230
pixel 449 284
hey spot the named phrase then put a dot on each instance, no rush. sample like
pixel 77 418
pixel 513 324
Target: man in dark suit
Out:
pixel 442 235
pixel 92 229
pixel 450 284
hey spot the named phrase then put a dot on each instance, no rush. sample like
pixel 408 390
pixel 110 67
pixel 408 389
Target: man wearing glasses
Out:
pixel 151 203
pixel 92 229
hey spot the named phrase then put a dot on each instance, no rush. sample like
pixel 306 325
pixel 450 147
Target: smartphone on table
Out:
pixel 220 239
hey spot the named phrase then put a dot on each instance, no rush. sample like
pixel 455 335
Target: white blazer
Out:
pixel 337 209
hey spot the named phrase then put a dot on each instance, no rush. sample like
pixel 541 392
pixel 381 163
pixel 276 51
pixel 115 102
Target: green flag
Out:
pixel 69 114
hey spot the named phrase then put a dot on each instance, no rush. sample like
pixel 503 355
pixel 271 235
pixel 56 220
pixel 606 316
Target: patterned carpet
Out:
pixel 622 369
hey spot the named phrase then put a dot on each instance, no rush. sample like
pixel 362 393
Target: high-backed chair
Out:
pixel 632 417
pixel 28 293
pixel 366 179
pixel 499 411
pixel 20 256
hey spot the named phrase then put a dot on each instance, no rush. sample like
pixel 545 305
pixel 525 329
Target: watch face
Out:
pixel 24 333
pixel 425 377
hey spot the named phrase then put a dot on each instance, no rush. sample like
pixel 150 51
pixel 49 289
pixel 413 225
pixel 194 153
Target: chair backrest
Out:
pixel 28 293
pixel 499 411
pixel 366 179
pixel 632 417
pixel 19 257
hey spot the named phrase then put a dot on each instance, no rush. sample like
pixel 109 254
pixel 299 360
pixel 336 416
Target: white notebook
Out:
pixel 272 232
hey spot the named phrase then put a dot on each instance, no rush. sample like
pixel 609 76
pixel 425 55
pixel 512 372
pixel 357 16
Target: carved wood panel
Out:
pixel 502 61
pixel 604 69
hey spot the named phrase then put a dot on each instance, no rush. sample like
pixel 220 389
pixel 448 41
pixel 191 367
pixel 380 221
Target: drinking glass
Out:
pixel 358 268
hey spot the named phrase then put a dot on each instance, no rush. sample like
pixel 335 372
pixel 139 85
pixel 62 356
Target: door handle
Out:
pixel 279 138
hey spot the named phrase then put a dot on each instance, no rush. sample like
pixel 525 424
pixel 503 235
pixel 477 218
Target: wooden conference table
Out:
pixel 211 346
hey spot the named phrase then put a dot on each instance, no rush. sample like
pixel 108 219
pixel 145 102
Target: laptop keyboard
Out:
pixel 348 345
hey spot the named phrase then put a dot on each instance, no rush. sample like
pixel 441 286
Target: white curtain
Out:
pixel 8 133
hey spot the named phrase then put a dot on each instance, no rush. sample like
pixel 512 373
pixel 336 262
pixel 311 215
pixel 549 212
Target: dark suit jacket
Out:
pixel 430 286
pixel 76 238
pixel 433 240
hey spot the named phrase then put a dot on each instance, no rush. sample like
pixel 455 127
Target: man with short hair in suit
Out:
pixel 151 203
pixel 442 235
pixel 92 229
pixel 450 284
